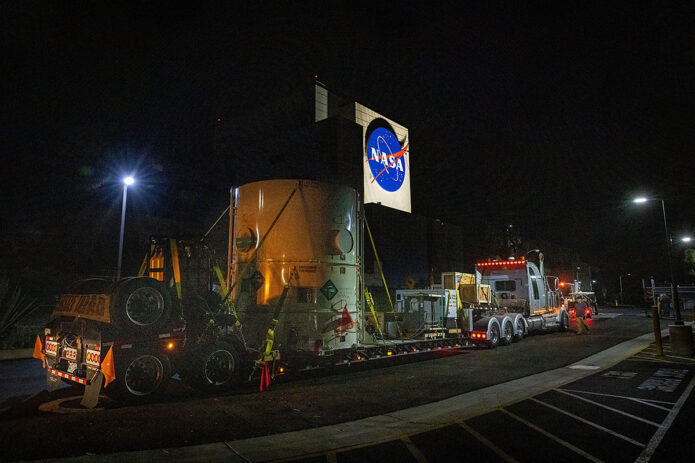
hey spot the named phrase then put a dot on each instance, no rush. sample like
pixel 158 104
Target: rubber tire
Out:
pixel 151 289
pixel 564 323
pixel 198 372
pixel 126 388
pixel 494 338
pixel 509 333
pixel 522 330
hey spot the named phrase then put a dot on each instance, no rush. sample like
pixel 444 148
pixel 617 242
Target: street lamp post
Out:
pixel 127 181
pixel 674 286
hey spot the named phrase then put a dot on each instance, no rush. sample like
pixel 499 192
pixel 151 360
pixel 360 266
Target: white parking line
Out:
pixel 487 443
pixel 635 399
pixel 414 451
pixel 634 417
pixel 590 423
pixel 658 436
pixel 564 443
pixel 637 358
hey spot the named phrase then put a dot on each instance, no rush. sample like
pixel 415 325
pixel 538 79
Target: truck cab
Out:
pixel 520 285
pixel 523 300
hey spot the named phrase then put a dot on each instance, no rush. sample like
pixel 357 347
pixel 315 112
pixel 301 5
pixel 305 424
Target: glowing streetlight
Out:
pixel 674 286
pixel 686 239
pixel 127 181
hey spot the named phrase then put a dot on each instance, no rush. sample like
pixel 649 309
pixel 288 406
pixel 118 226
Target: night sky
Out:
pixel 550 117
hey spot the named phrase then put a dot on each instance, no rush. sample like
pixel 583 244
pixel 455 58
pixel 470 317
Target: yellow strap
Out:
pixel 370 303
pixel 223 284
pixel 175 265
pixel 381 270
pixel 144 265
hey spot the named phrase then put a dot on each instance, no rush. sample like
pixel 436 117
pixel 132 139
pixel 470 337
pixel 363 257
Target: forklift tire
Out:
pixel 494 336
pixel 141 304
pixel 213 367
pixel 140 375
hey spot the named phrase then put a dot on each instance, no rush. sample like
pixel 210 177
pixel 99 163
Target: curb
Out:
pixel 16 354
pixel 297 444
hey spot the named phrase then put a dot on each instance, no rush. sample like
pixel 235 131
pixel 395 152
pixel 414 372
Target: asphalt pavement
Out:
pixel 420 411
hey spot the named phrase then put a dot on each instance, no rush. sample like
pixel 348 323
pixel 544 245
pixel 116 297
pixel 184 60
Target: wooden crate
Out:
pixel 475 294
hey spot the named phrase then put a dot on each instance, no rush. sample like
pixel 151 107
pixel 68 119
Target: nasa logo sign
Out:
pixel 386 159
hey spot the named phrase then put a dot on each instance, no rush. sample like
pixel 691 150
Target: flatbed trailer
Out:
pixel 291 300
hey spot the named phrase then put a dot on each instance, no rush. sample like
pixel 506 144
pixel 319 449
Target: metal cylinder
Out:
pixel 681 337
pixel 304 235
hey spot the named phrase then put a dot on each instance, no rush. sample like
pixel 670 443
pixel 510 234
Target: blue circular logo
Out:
pixel 386 159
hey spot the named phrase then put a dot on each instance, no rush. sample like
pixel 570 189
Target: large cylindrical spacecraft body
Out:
pixel 304 236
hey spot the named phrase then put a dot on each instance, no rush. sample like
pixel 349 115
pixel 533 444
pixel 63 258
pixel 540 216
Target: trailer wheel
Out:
pixel 564 322
pixel 508 333
pixel 140 375
pixel 141 304
pixel 521 330
pixel 214 367
pixel 494 336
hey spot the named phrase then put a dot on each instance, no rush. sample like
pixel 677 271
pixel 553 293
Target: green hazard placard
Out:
pixel 329 290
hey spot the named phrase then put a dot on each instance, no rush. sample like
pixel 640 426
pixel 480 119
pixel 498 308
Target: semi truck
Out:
pixel 291 298
pixel 512 298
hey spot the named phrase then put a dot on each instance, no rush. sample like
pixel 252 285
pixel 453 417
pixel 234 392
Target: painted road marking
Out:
pixel 642 401
pixel 638 358
pixel 607 315
pixel 665 380
pixel 487 443
pixel 414 451
pixel 584 367
pixel 590 423
pixel 656 425
pixel 620 374
pixel 654 442
pixel 562 442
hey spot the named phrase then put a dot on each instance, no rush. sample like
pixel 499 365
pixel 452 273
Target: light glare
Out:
pixel 639 200
pixel 129 180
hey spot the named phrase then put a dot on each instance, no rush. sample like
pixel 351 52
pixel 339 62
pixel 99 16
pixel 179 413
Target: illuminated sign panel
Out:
pixel 386 160
pixel 385 153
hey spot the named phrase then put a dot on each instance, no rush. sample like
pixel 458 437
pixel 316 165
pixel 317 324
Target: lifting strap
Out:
pixel 223 285
pixel 267 354
pixel 381 270
pixel 175 266
pixel 146 262
pixel 370 303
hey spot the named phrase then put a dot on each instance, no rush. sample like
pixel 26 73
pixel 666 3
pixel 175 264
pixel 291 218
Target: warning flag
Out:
pixel 346 322
pixel 107 368
pixel 38 351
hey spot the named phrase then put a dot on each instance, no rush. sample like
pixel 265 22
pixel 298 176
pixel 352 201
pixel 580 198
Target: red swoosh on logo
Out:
pixel 395 157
